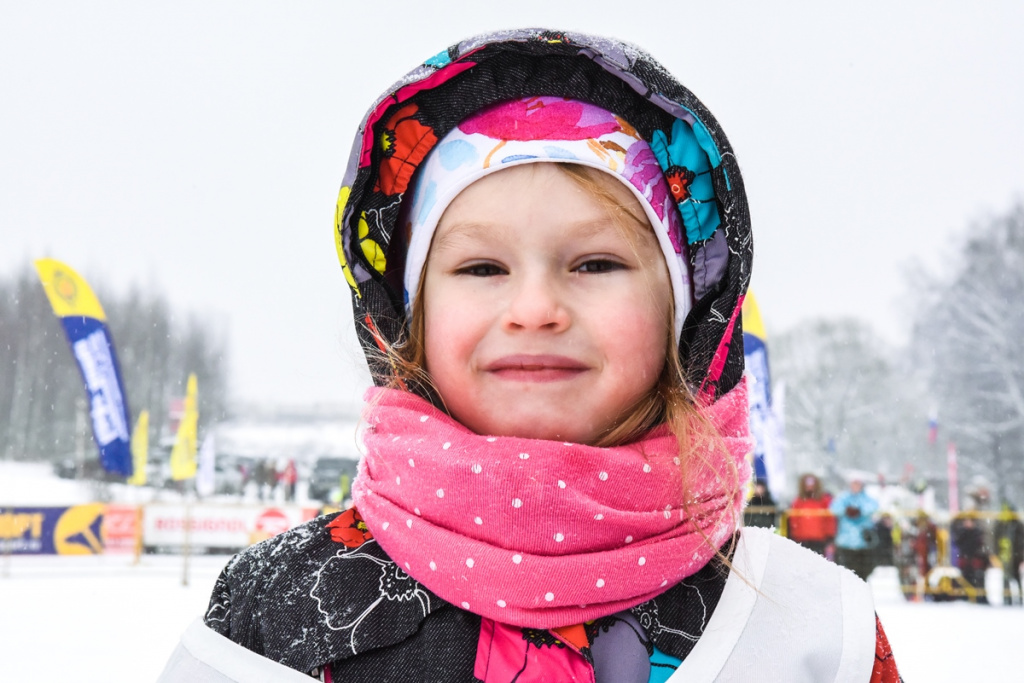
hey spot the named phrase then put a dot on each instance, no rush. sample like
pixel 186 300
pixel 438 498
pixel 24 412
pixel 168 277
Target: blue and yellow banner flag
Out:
pixel 765 423
pixel 183 454
pixel 84 323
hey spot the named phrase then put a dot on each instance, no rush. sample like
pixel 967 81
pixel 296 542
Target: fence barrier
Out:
pixel 97 528
pixel 925 550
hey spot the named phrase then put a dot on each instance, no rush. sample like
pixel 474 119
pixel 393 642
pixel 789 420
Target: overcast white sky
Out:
pixel 197 147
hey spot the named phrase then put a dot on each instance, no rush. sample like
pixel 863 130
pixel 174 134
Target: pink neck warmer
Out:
pixel 543 534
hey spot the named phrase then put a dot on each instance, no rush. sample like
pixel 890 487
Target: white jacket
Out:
pixel 793 616
pixel 786 614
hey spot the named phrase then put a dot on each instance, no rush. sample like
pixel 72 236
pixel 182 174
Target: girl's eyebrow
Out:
pixel 472 231
pixel 477 231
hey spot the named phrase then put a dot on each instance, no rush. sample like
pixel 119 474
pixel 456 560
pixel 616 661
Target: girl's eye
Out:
pixel 481 270
pixel 599 265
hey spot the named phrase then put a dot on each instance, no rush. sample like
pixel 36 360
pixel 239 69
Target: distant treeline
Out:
pixel 41 389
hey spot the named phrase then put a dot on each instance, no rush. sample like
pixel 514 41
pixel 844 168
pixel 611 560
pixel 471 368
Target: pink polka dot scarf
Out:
pixel 543 534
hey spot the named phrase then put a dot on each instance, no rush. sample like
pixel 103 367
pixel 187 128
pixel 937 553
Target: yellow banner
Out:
pixel 68 292
pixel 140 450
pixel 183 455
pixel 752 323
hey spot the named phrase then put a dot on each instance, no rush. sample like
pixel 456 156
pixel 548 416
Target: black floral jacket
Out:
pixel 325 594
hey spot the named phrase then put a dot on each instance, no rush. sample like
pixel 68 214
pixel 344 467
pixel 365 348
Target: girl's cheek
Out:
pixel 640 333
pixel 452 330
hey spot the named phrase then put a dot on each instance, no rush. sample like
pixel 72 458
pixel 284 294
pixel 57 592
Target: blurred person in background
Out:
pixel 810 523
pixel 1009 542
pixel 289 477
pixel 972 551
pixel 760 510
pixel 856 533
pixel 259 476
pixel 924 544
pixel 268 481
pixel 884 548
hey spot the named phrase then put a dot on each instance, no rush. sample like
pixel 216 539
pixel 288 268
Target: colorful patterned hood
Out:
pixel 414 114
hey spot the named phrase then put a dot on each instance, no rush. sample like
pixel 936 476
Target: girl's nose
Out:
pixel 536 304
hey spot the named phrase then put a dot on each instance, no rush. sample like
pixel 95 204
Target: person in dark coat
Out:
pixel 258 475
pixel 884 550
pixel 972 552
pixel 761 510
pixel 268 482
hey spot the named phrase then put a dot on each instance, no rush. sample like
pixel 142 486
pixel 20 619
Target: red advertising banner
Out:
pixel 228 527
pixel 121 528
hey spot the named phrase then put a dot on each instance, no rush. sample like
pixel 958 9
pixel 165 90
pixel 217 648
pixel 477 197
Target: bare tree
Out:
pixel 847 405
pixel 36 372
pixel 971 335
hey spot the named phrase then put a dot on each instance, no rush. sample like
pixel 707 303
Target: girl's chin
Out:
pixel 533 427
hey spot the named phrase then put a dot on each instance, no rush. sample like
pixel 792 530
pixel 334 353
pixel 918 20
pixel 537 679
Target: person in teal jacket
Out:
pixel 853 509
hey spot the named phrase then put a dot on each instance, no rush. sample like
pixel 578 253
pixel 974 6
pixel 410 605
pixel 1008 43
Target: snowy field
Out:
pixel 101 619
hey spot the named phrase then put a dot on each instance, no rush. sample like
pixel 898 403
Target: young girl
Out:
pixel 548 243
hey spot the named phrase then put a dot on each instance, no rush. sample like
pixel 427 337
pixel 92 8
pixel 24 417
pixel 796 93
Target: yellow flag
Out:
pixel 68 292
pixel 183 455
pixel 752 323
pixel 140 450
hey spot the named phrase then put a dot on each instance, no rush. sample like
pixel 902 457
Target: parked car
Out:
pixel 67 468
pixel 326 476
pixel 228 476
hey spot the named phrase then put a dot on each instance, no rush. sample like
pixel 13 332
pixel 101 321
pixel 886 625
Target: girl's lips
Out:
pixel 535 368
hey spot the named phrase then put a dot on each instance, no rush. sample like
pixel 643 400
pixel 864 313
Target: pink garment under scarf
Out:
pixel 543 534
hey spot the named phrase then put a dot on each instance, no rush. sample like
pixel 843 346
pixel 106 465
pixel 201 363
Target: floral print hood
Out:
pixel 414 114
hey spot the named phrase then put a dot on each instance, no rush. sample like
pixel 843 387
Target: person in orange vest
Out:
pixel 810 522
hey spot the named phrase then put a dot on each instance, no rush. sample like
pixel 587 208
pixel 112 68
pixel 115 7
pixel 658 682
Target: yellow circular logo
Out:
pixel 78 530
pixel 64 286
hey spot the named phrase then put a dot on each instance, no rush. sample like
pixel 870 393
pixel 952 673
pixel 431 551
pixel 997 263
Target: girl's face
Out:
pixel 542 318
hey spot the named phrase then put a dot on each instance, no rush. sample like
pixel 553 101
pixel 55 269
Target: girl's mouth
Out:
pixel 536 368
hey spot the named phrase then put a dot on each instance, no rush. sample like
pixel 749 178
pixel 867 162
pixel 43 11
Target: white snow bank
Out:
pixel 954 641
pixel 97 618
pixel 102 619
pixel 31 484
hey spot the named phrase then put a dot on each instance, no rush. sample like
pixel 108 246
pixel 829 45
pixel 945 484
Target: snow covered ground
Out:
pixel 96 618
pixel 947 642
pixel 102 619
